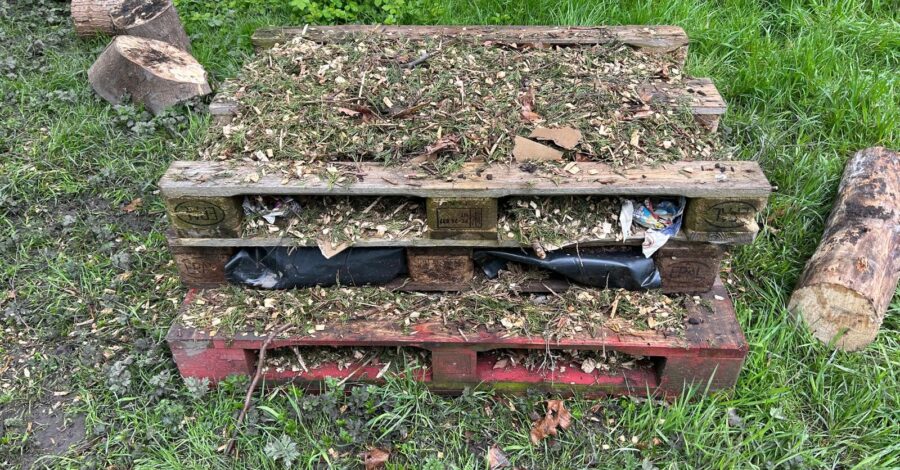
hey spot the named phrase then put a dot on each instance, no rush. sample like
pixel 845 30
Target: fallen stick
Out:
pixel 848 283
pixel 260 365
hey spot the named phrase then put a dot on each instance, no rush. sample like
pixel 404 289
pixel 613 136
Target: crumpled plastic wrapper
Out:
pixel 662 220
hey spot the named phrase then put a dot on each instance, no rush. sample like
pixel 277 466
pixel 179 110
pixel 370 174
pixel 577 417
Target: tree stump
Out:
pixel 93 16
pixel 849 281
pixel 151 72
pixel 152 19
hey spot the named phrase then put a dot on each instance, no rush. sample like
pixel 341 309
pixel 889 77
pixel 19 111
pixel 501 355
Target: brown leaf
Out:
pixel 528 150
pixel 348 111
pixel 366 114
pixel 531 116
pixel 496 458
pixel 565 137
pixel 526 98
pixel 375 458
pixel 133 205
pixel 557 416
pixel 447 143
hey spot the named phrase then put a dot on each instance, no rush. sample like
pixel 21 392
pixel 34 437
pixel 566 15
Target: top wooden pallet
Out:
pixel 662 39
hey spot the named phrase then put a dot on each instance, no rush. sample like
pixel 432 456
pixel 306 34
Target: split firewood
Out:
pixel 151 19
pixel 151 72
pixel 849 281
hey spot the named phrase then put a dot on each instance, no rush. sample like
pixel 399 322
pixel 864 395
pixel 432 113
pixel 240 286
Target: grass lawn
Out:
pixel 89 289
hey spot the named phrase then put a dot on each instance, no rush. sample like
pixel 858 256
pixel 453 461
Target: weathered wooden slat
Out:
pixel 731 179
pixel 369 243
pixel 712 220
pixel 650 38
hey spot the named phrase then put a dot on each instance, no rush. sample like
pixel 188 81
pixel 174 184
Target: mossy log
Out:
pixel 849 281
pixel 150 72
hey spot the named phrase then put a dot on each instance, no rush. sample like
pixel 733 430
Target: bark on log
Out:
pixel 93 16
pixel 849 281
pixel 152 19
pixel 151 72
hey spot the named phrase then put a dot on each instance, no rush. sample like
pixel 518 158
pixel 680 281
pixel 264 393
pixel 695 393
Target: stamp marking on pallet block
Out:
pixel 720 219
pixel 709 355
pixel 440 265
pixel 201 267
pixel 688 267
pixel 206 217
pixel 462 218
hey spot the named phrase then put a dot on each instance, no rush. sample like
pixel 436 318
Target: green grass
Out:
pixel 94 288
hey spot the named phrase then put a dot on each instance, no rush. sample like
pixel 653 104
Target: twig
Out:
pixel 260 365
pixel 422 58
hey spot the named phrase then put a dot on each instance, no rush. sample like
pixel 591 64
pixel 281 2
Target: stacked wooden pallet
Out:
pixel 466 211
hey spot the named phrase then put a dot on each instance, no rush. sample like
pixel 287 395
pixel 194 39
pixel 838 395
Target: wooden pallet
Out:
pixel 204 199
pixel 661 39
pixel 683 267
pixel 709 356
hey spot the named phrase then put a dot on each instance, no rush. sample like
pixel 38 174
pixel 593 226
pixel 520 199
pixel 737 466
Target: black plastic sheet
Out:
pixel 625 270
pixel 286 267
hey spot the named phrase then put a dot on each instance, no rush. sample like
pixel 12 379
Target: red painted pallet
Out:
pixel 709 355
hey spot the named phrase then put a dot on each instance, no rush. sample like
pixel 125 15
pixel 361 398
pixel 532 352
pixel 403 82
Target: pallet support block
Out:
pixel 201 267
pixel 722 220
pixel 440 266
pixel 199 359
pixel 689 268
pixel 206 217
pixel 462 218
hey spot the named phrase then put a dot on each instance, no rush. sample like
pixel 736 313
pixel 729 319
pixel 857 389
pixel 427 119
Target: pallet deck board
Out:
pixel 651 38
pixel 710 353
pixel 697 179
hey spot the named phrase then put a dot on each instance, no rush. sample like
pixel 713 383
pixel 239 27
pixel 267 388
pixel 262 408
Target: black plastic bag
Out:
pixel 625 270
pixel 286 267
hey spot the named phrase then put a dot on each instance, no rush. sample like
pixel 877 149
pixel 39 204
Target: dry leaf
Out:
pixel 133 205
pixel 496 458
pixel 565 137
pixel 531 116
pixel 557 416
pixel 375 458
pixel 348 112
pixel 635 139
pixel 447 143
pixel 501 364
pixel 528 150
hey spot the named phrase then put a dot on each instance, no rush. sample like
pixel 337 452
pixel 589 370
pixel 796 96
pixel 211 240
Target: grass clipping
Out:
pixel 493 306
pixel 440 102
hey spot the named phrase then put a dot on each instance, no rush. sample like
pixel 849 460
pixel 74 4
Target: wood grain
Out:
pixel 742 179
pixel 650 38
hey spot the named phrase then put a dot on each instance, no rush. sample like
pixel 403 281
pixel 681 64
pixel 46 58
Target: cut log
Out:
pixel 151 72
pixel 151 19
pixel 848 283
pixel 93 16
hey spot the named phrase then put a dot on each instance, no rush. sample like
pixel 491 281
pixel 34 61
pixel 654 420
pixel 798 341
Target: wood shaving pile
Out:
pixel 363 101
pixel 559 360
pixel 555 222
pixel 306 358
pixel 488 306
pixel 335 221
